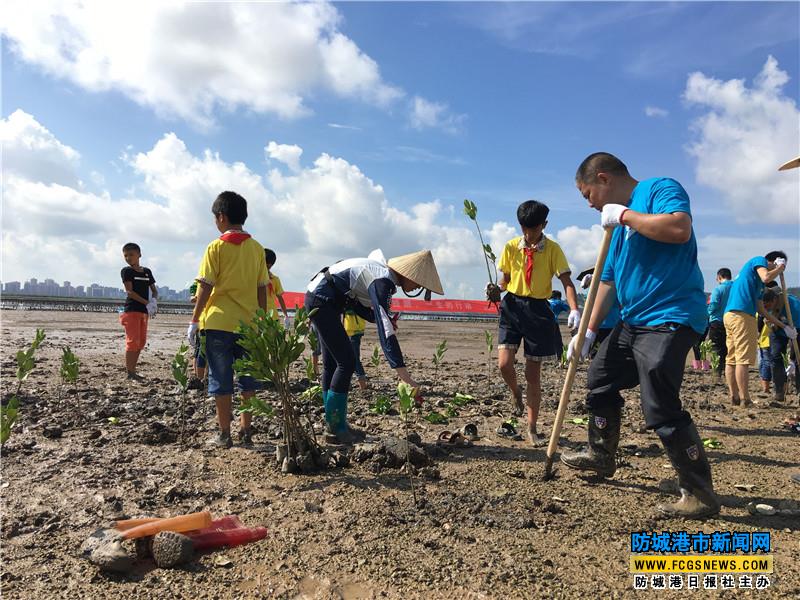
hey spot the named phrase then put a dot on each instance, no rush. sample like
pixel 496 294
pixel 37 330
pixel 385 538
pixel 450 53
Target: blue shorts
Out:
pixel 222 350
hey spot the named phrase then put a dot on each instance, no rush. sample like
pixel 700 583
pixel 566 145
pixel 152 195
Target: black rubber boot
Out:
pixel 685 450
pixel 599 456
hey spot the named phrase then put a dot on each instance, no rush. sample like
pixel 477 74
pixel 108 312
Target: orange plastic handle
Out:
pixel 126 524
pixel 178 524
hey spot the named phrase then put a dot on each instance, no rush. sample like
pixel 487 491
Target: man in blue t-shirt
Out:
pixel 741 327
pixel 652 270
pixel 716 308
pixel 779 339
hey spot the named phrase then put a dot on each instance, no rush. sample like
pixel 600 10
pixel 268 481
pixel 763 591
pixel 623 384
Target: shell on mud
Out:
pixel 170 549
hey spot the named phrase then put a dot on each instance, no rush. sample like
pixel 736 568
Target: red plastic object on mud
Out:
pixel 227 537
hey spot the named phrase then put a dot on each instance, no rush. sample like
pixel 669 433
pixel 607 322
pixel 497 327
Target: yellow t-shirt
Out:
pixel 547 263
pixel 274 289
pixel 353 324
pixel 235 271
pixel 763 338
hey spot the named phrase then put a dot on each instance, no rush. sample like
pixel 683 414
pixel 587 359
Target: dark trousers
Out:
pixel 777 348
pixel 338 359
pixel 716 333
pixel 651 357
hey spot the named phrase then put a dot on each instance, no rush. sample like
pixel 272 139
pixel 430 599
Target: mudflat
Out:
pixel 486 525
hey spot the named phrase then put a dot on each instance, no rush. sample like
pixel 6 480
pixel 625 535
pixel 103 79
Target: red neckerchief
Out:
pixel 235 236
pixel 529 252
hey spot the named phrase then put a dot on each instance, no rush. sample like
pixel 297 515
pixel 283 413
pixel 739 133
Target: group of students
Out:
pixel 649 311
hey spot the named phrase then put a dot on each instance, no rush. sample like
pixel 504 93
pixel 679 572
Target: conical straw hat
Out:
pixel 419 268
pixel 792 164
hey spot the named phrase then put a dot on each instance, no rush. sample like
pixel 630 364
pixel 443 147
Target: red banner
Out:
pixel 401 304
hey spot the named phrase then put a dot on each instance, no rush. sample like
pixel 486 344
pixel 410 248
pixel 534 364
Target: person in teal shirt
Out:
pixel 779 340
pixel 741 328
pixel 652 270
pixel 716 309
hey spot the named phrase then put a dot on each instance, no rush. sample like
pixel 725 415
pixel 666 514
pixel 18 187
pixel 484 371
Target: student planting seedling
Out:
pixel 528 264
pixel 233 283
pixel 366 286
pixel 275 289
pixel 716 310
pixel 140 304
pixel 779 344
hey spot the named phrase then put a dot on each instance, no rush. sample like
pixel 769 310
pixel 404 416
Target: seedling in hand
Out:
pixel 471 210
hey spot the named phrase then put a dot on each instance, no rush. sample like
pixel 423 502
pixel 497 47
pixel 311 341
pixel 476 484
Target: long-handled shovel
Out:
pixel 573 363
pixel 789 314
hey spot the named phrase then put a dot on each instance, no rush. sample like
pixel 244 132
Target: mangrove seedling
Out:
pixel 438 358
pixel 471 210
pixel 180 366
pixel 25 363
pixel 489 338
pixel 406 397
pixel 375 359
pixel 70 367
pixel 381 406
pixel 271 350
pixel 257 407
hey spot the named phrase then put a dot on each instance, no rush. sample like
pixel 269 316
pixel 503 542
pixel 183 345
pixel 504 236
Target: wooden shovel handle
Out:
pixel 789 314
pixel 573 363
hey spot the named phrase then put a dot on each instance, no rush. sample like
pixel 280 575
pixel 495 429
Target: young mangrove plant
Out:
pixel 180 367
pixel 492 291
pixel 68 372
pixel 489 339
pixel 406 397
pixel 375 359
pixel 25 363
pixel 438 358
pixel 271 350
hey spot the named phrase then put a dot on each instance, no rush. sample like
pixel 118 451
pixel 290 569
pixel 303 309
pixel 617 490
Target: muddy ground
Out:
pixel 488 528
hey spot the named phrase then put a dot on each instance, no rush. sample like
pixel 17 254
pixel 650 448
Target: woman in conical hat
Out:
pixel 365 285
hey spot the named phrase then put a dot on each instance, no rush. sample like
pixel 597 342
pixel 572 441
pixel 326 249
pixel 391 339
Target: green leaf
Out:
pixel 113 420
pixel 470 209
pixel 406 397
pixel 580 420
pixel 712 443
pixel 381 406
pixel 436 418
pixel 8 416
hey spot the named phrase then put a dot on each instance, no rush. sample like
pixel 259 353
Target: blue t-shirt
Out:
pixel 719 300
pixel 558 306
pixel 612 318
pixel 657 282
pixel 747 288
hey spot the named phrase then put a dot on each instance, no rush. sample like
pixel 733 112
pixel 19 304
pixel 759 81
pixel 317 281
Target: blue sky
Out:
pixel 124 124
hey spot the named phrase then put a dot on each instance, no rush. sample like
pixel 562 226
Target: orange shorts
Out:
pixel 135 324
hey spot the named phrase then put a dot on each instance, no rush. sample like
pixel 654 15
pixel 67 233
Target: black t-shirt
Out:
pixel 142 280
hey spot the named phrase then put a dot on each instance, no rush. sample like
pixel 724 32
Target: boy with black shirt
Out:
pixel 140 286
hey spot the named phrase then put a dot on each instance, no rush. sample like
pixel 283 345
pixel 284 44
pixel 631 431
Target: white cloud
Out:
pixel 31 151
pixel 655 111
pixel 746 133
pixel 191 59
pixel 285 153
pixel 580 245
pixel 426 114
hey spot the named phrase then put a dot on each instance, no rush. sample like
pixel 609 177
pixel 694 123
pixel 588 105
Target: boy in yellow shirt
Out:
pixel 232 285
pixel 275 289
pixel 528 264
pixel 354 327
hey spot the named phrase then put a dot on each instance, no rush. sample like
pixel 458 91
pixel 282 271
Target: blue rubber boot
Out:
pixel 336 418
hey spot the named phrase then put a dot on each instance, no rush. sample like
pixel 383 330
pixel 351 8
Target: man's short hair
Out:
pixel 556 295
pixel 599 162
pixel 232 205
pixel 131 246
pixel 771 256
pixel 769 296
pixel 532 213
pixel 725 273
pixel 269 256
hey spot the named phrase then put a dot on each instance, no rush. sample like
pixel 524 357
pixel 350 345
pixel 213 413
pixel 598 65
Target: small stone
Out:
pixel 223 561
pixel 112 556
pixel 765 509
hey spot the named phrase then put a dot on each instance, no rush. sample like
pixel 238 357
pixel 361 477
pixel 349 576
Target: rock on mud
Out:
pixel 104 548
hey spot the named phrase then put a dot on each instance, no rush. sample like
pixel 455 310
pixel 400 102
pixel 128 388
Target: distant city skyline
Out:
pixel 49 287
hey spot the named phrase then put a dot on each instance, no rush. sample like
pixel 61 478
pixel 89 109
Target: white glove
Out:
pixel 790 369
pixel 587 345
pixel 152 307
pixel 574 319
pixel 191 333
pixel 790 332
pixel 586 281
pixel 611 215
pixel 287 323
pixel 780 262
